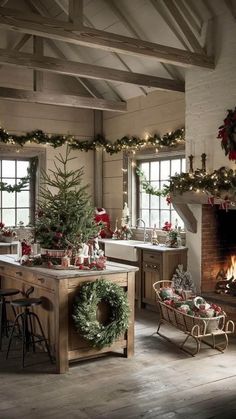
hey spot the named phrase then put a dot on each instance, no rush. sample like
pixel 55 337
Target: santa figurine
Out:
pixel 103 220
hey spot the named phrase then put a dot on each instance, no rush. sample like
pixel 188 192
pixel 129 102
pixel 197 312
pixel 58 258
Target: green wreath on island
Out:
pixel 85 312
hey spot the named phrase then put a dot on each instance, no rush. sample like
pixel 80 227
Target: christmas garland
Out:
pixel 85 309
pixel 227 134
pixel 39 137
pixel 15 188
pixel 213 184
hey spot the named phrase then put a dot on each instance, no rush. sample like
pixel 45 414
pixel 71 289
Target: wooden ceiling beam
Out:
pixel 183 26
pixel 21 95
pixel 94 38
pixel 39 8
pixel 89 23
pixel 72 68
pixel 38 75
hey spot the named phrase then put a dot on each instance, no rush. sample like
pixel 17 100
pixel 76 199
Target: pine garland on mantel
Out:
pixel 170 139
pixel 219 184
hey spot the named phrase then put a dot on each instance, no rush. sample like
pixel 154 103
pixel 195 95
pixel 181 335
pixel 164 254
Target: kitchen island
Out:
pixel 58 289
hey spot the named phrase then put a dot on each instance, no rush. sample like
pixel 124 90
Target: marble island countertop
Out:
pixel 111 268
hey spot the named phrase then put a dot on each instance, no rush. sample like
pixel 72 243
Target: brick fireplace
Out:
pixel 218 243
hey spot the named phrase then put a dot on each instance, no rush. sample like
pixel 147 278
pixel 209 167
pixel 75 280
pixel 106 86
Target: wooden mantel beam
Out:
pixel 72 68
pixel 94 38
pixel 60 100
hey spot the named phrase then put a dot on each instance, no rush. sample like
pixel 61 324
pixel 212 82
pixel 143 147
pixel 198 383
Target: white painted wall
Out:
pixel 208 96
pixel 158 112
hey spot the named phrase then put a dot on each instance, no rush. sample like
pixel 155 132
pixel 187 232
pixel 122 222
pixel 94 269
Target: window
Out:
pixel 154 209
pixel 16 207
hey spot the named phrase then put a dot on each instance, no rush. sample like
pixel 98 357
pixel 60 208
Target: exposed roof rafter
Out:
pixel 67 32
pixel 73 68
pixel 21 95
pixel 183 25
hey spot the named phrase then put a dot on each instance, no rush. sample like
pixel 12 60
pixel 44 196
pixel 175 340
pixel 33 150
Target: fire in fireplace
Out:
pixel 226 279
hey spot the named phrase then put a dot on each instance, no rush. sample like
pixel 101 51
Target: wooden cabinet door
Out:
pixel 151 274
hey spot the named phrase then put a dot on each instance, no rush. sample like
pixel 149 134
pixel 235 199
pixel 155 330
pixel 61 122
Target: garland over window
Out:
pixel 170 139
pixel 85 310
pixel 227 134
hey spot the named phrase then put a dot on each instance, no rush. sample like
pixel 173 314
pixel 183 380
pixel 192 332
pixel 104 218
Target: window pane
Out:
pixel 155 202
pixel 165 169
pixel 165 216
pixel 155 170
pixel 145 169
pixel 8 168
pixel 21 168
pixel 175 166
pixel 8 217
pixel 23 199
pixel 155 218
pixel 8 199
pixel 145 216
pixel 144 201
pixel 164 204
pixel 175 219
pixel 9 181
pixel 23 215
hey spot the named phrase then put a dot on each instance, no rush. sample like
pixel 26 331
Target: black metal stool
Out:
pixel 4 323
pixel 28 336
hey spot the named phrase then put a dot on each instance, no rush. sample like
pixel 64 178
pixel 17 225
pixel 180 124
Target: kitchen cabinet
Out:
pixel 158 265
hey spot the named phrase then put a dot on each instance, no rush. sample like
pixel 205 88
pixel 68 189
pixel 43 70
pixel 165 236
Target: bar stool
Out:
pixel 28 336
pixel 4 323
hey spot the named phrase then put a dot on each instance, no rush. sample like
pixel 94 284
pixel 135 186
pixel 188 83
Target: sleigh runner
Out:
pixel 213 331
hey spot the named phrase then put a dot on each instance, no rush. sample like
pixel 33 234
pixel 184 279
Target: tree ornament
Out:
pixel 85 310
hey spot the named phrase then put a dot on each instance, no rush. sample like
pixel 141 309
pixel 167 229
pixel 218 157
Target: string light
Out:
pixel 170 139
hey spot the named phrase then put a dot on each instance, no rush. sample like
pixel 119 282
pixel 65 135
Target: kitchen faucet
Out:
pixel 144 228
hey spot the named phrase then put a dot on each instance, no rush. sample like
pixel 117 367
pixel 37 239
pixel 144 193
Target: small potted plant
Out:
pixel 7 234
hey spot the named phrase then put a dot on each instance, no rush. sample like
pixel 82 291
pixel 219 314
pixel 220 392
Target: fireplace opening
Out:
pixel 218 250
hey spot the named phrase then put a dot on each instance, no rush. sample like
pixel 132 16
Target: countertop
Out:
pixel 140 245
pixel 112 267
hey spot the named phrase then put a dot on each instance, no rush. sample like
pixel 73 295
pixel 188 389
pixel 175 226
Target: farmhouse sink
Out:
pixel 123 249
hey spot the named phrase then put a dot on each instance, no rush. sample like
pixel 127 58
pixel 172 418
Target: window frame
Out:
pixel 26 154
pixel 167 157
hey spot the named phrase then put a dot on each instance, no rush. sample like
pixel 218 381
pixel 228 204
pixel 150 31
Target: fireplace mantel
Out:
pixel 182 201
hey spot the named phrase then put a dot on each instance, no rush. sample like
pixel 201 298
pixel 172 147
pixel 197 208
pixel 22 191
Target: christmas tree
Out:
pixel 65 217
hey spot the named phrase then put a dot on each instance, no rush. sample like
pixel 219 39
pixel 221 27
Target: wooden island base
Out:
pixel 58 289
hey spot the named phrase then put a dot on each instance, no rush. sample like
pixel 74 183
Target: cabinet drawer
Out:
pixel 152 257
pixel 151 266
pixel 30 277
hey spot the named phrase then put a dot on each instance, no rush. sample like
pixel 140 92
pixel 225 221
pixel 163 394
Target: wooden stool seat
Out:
pixel 7 292
pixel 26 302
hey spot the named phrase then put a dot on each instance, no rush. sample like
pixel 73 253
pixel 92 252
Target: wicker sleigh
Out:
pixel 215 329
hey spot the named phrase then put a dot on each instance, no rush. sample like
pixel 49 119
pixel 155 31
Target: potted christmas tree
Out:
pixel 65 217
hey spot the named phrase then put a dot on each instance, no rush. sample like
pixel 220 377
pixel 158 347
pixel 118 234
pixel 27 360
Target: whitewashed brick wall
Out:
pixel 208 96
